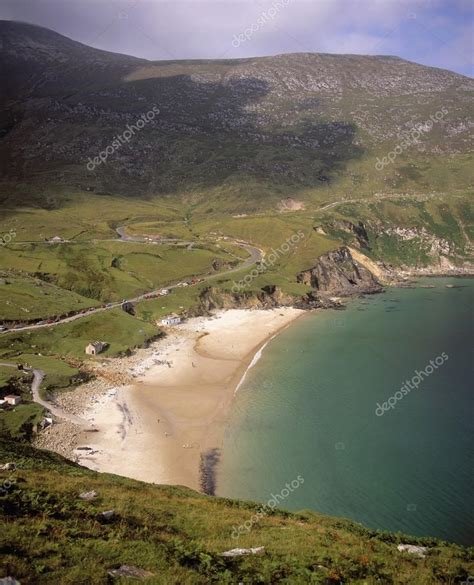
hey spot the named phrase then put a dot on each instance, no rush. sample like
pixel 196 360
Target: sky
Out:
pixel 432 32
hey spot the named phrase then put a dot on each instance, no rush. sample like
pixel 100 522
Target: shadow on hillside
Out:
pixel 206 135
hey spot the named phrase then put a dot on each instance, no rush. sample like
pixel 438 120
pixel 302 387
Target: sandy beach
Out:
pixel 175 405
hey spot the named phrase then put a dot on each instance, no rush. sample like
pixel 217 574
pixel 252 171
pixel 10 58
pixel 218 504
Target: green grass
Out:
pixel 120 330
pixel 164 229
pixel 49 535
pixel 24 298
pixel 82 216
pixel 108 271
pixel 265 231
pixel 179 301
pixel 58 374
pixel 7 374
pixel 17 422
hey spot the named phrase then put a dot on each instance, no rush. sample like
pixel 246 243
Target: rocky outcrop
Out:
pixel 290 204
pixel 434 245
pixel 268 297
pixel 337 272
pixel 358 231
pixel 444 268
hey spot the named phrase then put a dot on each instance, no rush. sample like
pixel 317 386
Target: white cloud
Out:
pixel 180 29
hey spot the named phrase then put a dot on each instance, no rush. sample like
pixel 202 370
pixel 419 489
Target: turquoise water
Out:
pixel 308 409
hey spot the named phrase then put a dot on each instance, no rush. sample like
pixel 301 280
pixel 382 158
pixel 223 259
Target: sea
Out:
pixel 365 413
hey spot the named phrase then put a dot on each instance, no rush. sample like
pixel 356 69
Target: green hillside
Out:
pixel 50 535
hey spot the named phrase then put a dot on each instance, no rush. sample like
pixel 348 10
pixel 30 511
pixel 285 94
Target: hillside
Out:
pixel 229 134
pixel 175 535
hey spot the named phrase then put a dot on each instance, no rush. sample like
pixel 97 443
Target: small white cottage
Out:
pixel 12 399
pixel 95 347
pixel 171 320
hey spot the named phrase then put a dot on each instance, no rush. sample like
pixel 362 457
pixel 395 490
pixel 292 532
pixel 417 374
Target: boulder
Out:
pixel 420 551
pixel 88 495
pixel 8 467
pixel 130 571
pixel 107 515
pixel 238 552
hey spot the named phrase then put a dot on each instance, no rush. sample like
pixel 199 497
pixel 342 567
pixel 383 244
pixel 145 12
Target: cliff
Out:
pixel 339 273
pixel 268 297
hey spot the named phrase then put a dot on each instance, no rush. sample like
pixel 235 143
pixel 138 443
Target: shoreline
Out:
pixel 159 415
pixel 253 362
pixel 168 420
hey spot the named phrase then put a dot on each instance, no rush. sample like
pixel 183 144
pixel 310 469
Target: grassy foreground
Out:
pixel 50 535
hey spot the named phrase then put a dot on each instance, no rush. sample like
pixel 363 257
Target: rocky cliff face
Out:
pixel 337 272
pixel 357 231
pixel 269 297
pixel 433 246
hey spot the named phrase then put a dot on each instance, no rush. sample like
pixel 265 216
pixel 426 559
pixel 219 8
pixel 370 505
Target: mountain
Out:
pixel 243 133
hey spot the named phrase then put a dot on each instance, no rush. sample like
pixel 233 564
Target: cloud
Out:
pixel 427 31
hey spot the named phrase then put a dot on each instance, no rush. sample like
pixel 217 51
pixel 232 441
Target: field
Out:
pixel 108 271
pixel 7 373
pixel 27 298
pixel 78 216
pixel 17 423
pixel 120 330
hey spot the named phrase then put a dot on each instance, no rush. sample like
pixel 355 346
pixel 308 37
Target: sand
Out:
pixel 156 428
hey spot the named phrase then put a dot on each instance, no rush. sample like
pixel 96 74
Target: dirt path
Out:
pixel 38 377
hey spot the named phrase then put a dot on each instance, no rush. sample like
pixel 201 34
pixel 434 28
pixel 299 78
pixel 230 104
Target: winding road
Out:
pixel 255 256
pixel 38 377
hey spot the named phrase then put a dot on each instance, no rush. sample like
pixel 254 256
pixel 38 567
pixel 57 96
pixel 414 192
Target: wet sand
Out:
pixel 157 428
